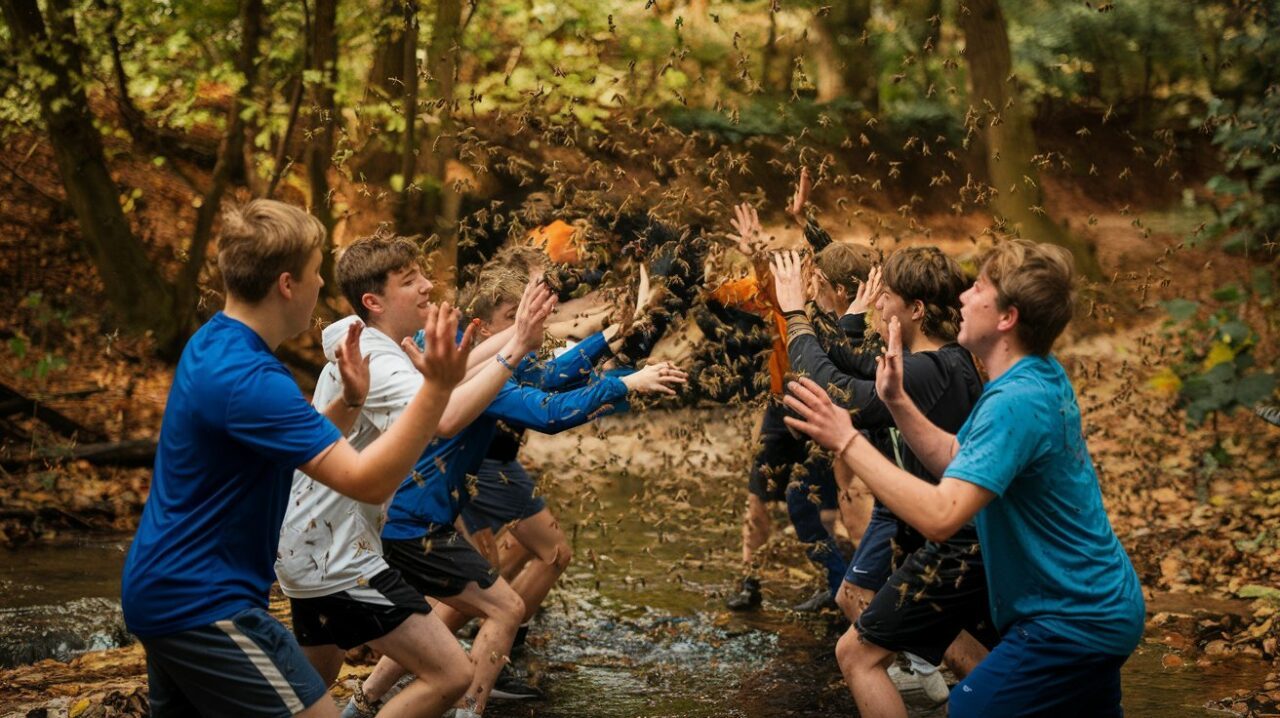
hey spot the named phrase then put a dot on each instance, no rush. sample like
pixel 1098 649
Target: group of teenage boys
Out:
pixel 393 508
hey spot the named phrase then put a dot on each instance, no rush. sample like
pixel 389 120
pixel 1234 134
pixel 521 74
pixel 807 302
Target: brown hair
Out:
pixel 519 257
pixel 846 265
pixel 1037 278
pixel 260 241
pixel 926 275
pixel 365 263
pixel 494 287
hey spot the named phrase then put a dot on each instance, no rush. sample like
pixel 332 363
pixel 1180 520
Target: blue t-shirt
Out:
pixel 235 427
pixel 1050 552
pixel 437 489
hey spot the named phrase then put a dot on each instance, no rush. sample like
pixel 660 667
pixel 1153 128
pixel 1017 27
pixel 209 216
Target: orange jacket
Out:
pixel 747 295
pixel 558 241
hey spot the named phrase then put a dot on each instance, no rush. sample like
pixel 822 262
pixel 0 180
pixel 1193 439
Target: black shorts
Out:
pixel 940 590
pixel 782 458
pixel 357 615
pixel 505 493
pixel 440 564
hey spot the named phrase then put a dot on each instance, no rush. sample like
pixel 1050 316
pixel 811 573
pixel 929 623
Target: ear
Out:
pixel 917 310
pixel 284 283
pixel 372 302
pixel 1008 320
pixel 483 329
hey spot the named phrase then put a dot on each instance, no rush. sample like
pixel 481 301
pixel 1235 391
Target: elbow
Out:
pixel 940 528
pixel 447 430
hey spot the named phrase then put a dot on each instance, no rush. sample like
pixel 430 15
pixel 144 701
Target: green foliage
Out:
pixel 32 352
pixel 1248 211
pixel 1215 366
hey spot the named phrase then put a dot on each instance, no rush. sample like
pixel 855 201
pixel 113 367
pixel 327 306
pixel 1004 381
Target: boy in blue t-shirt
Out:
pixel 1064 595
pixel 235 427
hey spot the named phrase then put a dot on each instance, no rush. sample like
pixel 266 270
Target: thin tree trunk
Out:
pixel 134 286
pixel 1010 142
pixel 407 211
pixel 443 199
pixel 845 67
pixel 230 153
pixel 324 118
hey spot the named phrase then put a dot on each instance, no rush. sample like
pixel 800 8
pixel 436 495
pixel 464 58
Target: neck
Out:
pixel 1001 357
pixel 921 342
pixel 265 320
pixel 396 335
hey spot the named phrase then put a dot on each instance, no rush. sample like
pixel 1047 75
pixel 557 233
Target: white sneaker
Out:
pixel 932 684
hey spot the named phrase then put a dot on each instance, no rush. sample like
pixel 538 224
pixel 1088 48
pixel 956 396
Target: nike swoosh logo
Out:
pixel 855 570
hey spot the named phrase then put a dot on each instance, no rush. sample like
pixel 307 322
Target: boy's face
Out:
pixel 504 316
pixel 890 304
pixel 827 296
pixel 305 292
pixel 981 320
pixel 404 300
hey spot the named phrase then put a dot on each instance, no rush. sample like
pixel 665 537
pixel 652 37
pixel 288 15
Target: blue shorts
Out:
pixel 247 665
pixel 1034 672
pixel 872 562
pixel 505 493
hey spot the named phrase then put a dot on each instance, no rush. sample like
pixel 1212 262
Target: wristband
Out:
pixel 847 444
pixel 503 361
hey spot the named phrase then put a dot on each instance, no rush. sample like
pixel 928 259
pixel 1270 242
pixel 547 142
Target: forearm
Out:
pixel 375 473
pixel 487 348
pixel 920 503
pixel 342 414
pixel 934 447
pixel 473 395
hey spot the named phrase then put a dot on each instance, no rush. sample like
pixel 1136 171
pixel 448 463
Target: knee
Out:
pixel 845 600
pixel 562 558
pixel 510 607
pixel 847 650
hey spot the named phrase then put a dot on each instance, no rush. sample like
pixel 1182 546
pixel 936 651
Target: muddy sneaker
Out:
pixel 932 684
pixel 821 599
pixel 510 687
pixel 359 706
pixel 747 598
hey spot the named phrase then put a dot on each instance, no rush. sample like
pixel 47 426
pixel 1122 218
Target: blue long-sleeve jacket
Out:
pixel 435 492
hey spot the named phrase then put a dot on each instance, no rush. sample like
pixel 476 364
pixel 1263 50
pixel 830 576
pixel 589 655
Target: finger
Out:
pixel 468 338
pixel 803 427
pixel 895 338
pixel 799 407
pixel 818 395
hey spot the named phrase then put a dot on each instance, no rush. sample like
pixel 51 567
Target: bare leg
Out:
pixel 853 600
pixel 426 648
pixel 486 544
pixel 541 535
pixel 503 612
pixel 512 554
pixel 755 529
pixel 964 654
pixel 866 671
pixel 327 660
pixel 855 502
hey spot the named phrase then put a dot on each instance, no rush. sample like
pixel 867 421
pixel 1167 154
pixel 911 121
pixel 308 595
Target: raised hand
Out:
pixel 788 281
pixel 889 366
pixel 443 363
pixel 819 417
pixel 746 222
pixel 536 304
pixel 868 293
pixel 656 378
pixel 801 196
pixel 353 368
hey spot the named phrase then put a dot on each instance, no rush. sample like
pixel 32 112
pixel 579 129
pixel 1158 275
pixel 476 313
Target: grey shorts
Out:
pixel 440 564
pixel 505 493
pixel 247 665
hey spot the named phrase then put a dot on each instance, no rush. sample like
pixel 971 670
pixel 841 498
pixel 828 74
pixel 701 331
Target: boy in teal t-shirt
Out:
pixel 1063 593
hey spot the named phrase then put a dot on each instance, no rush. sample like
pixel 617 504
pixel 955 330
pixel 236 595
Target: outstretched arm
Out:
pixel 353 368
pixel 372 475
pixel 935 510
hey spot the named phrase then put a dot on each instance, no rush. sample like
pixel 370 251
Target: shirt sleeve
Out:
pixel 1000 440
pixel 532 408
pixel 269 414
pixel 571 368
pixel 815 235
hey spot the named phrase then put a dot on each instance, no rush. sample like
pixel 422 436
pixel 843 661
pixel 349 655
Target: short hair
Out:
pixel 926 275
pixel 493 287
pixel 520 257
pixel 1038 279
pixel 365 264
pixel 846 265
pixel 261 240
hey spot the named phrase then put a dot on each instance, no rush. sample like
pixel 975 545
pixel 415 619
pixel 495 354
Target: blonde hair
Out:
pixel 260 241
pixel 1037 278
pixel 365 263
pixel 494 287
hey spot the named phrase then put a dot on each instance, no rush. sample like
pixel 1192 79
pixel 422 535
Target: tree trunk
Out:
pixel 388 69
pixel 443 201
pixel 230 155
pixel 324 118
pixel 845 67
pixel 134 286
pixel 408 202
pixel 1010 142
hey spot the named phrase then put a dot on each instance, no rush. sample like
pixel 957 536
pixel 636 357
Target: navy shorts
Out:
pixel 937 592
pixel 505 493
pixel 873 561
pixel 247 665
pixel 360 614
pixel 782 458
pixel 1035 672
pixel 440 564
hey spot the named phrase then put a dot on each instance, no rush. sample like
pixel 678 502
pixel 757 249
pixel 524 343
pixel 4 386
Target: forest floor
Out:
pixel 1204 532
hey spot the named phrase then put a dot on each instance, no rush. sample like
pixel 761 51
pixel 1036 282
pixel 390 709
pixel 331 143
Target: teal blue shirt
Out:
pixel 1050 552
